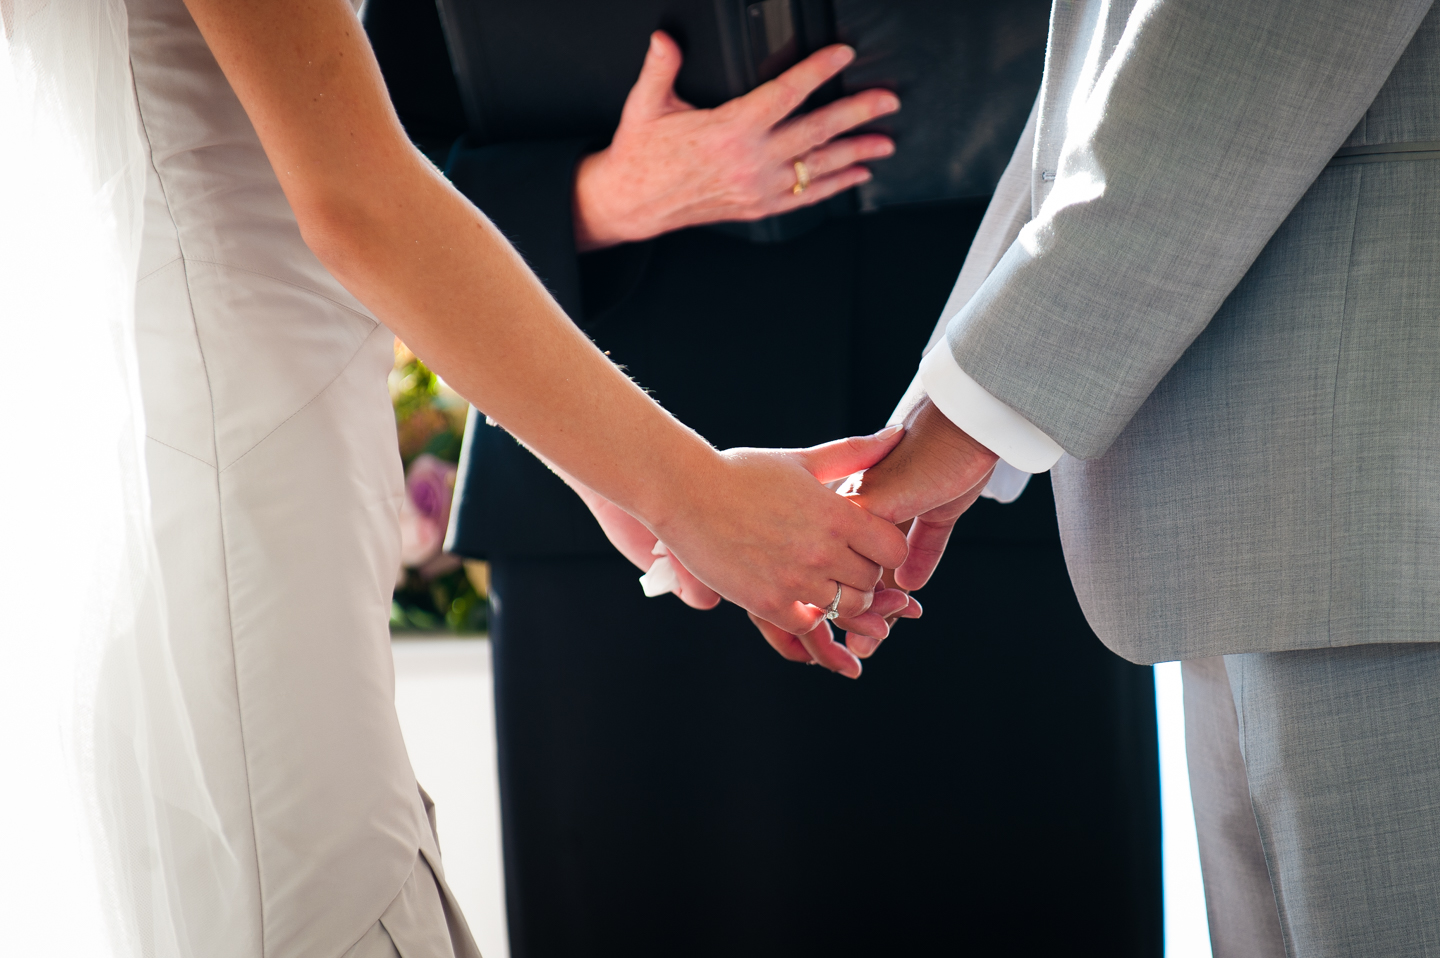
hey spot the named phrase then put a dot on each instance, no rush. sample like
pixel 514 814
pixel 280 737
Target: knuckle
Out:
pixel 745 187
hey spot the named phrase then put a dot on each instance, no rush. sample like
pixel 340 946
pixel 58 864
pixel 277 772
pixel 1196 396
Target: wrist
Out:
pixel 598 222
pixel 946 444
pixel 688 472
pixel 936 462
pixel 946 456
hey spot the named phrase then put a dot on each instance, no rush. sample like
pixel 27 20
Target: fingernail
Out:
pixel 889 103
pixel 894 429
pixel 886 149
pixel 845 54
pixel 862 645
pixel 655 44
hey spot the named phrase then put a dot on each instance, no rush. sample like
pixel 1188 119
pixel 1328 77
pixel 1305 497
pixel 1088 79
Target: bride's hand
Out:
pixel 637 543
pixel 751 526
pixel 765 533
pixel 866 632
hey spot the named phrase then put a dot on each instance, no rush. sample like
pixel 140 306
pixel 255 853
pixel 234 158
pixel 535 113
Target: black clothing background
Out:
pixel 679 789
pixel 671 786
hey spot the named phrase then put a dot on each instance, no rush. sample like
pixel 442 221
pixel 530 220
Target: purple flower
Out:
pixel 430 484
pixel 425 513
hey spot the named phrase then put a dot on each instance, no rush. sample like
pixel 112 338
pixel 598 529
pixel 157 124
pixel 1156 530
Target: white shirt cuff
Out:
pixel 1006 483
pixel 989 421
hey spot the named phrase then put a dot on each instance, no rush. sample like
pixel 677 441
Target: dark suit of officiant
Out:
pixel 671 786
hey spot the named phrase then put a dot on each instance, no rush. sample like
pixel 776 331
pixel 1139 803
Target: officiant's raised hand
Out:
pixel 671 165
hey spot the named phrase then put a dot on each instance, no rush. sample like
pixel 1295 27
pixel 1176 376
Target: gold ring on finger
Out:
pixel 802 177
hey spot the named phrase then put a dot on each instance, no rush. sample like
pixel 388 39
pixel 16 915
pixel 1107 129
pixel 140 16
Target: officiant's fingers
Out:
pixel 820 643
pixel 820 190
pixel 842 154
pixel 771 102
pixel 654 94
pixel 787 645
pixel 821 126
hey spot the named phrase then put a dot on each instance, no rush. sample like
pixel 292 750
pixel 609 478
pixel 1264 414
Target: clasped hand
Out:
pixel 924 484
pixel 771 538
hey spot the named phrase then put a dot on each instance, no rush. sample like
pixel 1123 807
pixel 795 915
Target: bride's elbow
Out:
pixel 339 230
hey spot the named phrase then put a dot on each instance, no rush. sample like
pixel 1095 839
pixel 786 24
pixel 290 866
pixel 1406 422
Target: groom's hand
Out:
pixel 866 631
pixel 934 474
pixel 936 464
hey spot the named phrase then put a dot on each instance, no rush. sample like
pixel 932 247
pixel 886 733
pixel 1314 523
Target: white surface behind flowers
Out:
pixel 443 693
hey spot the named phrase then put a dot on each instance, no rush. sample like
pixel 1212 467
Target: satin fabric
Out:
pixel 276 485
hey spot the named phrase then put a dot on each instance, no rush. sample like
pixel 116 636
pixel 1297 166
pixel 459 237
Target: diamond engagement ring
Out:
pixel 833 612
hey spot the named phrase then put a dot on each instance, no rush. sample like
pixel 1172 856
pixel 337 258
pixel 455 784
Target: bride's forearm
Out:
pixel 426 262
pixel 440 275
pixel 756 526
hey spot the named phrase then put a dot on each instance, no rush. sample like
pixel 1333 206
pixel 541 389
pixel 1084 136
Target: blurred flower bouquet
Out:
pixel 433 589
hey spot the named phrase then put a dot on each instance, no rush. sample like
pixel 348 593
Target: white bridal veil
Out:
pixel 98 773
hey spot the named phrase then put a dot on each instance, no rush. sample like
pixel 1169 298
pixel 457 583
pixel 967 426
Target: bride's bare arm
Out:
pixel 753 525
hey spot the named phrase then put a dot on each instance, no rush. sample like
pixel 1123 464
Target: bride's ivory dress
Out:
pixel 276 485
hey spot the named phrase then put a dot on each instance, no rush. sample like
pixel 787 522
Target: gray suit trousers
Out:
pixel 1316 781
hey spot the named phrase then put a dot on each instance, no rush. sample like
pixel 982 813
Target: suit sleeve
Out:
pixel 1200 133
pixel 1022 447
pixel 527 190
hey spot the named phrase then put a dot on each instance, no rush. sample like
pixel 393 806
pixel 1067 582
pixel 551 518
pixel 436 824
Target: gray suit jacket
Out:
pixel 1225 305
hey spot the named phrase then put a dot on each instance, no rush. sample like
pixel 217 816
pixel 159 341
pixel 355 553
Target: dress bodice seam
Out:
pixel 350 361
pixel 169 262
pixel 140 110
pixel 293 285
pixel 191 455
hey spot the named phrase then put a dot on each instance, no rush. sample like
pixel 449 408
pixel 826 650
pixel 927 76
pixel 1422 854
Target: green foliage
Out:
pixel 430 418
pixel 446 602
